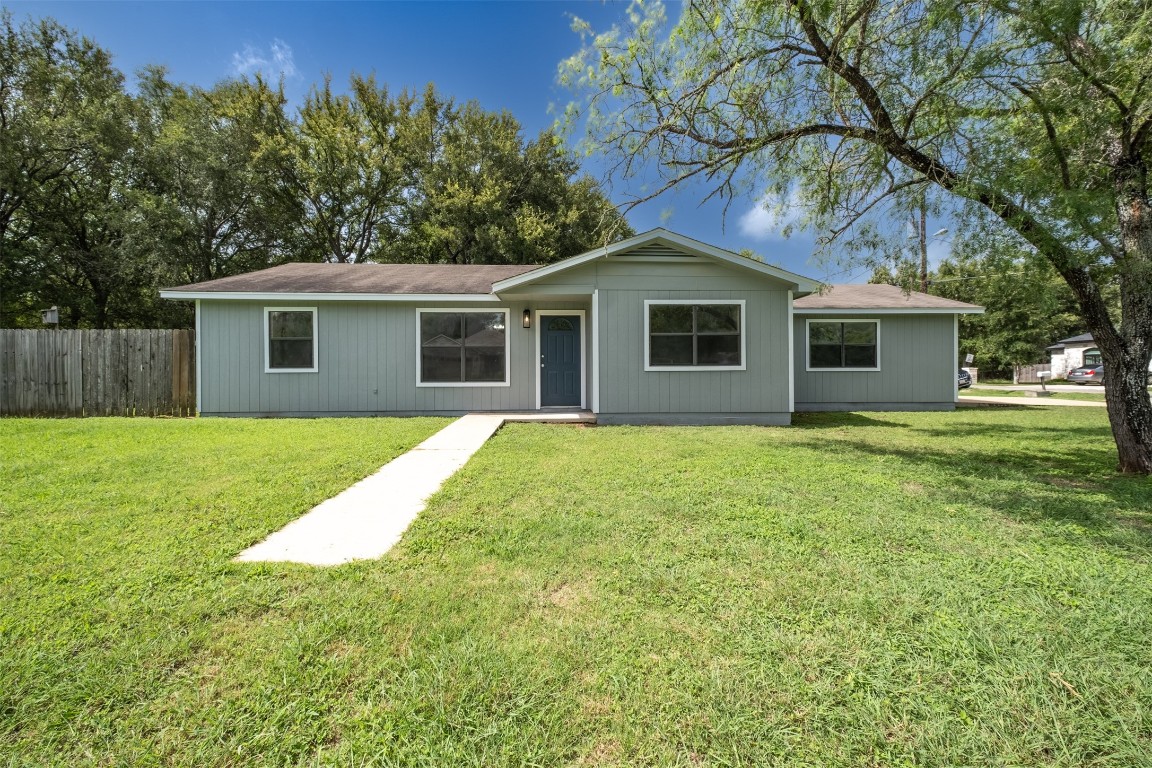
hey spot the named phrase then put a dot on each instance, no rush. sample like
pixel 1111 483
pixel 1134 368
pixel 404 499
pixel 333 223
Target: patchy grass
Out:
pixel 971 588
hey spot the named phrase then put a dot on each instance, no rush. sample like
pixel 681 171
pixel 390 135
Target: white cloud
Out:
pixel 770 215
pixel 275 62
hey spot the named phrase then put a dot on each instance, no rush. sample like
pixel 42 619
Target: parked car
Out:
pixel 1087 374
pixel 963 379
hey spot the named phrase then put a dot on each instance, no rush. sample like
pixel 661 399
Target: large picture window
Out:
pixel 846 345
pixel 694 335
pixel 290 340
pixel 463 347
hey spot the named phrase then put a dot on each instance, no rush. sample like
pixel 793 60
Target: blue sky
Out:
pixel 502 54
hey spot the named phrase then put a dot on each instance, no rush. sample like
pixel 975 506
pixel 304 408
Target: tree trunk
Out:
pixel 1126 363
pixel 1129 411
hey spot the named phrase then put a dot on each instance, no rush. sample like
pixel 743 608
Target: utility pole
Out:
pixel 920 233
pixel 923 233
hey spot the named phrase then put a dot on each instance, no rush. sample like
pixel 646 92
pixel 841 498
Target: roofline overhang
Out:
pixel 888 311
pixel 660 235
pixel 288 296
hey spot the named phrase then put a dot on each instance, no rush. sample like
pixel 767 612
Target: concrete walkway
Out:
pixel 366 520
pixel 969 400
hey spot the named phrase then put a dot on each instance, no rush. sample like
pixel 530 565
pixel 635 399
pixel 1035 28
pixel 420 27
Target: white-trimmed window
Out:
pixel 844 345
pixel 290 340
pixel 693 335
pixel 463 348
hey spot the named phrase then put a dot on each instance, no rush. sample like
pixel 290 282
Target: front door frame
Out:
pixel 539 357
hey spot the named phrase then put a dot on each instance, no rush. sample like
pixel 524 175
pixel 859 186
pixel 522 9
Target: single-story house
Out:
pixel 1071 353
pixel 658 328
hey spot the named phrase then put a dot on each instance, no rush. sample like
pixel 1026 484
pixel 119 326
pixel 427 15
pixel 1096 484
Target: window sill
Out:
pixel 683 368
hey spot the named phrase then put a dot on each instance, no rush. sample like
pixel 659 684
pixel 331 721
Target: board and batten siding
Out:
pixel 367 360
pixel 628 393
pixel 917 367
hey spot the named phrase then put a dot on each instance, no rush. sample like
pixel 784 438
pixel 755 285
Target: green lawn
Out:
pixel 971 588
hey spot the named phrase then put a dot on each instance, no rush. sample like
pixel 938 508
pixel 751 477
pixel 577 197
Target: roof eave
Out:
pixel 888 310
pixel 329 296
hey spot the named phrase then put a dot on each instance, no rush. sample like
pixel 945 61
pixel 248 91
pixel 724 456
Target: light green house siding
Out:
pixel 367 362
pixel 917 360
pixel 628 393
pixel 367 356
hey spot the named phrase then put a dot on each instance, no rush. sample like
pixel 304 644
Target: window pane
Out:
pixel 859 333
pixel 718 318
pixel 824 333
pixel 440 329
pixel 859 357
pixel 290 325
pixel 670 350
pixel 290 353
pixel 824 356
pixel 475 322
pixel 484 364
pixel 439 363
pixel 484 329
pixel 670 318
pixel 718 350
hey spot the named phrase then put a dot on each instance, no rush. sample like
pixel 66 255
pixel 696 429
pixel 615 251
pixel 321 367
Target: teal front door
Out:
pixel 560 382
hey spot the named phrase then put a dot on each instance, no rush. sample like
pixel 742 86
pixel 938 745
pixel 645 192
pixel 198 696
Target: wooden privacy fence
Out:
pixel 1029 374
pixel 97 373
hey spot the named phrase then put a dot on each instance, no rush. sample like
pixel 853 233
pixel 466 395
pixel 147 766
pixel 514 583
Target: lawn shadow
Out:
pixel 836 419
pixel 1063 486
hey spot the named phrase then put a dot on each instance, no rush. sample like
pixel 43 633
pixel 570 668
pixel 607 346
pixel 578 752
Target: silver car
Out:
pixel 1087 374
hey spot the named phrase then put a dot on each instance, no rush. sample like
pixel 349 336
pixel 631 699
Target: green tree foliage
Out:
pixel 480 195
pixel 212 192
pixel 345 161
pixel 107 196
pixel 68 153
pixel 1034 117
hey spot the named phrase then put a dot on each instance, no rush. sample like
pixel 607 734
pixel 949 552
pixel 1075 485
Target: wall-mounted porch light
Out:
pixel 527 318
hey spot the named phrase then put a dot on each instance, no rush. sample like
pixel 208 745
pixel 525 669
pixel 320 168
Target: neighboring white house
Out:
pixel 1071 353
pixel 1068 354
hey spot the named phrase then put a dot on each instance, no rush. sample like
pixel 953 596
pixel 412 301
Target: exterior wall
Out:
pixel 917 355
pixel 367 357
pixel 1071 358
pixel 628 393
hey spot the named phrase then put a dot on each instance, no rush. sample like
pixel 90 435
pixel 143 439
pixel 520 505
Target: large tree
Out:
pixel 344 161
pixel 477 193
pixel 68 158
pixel 1033 116
pixel 212 192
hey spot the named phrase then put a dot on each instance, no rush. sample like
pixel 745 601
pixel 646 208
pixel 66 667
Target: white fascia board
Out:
pixel 797 282
pixel 265 296
pixel 891 311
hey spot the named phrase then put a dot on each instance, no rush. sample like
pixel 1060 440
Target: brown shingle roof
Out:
pixel 865 297
pixel 364 278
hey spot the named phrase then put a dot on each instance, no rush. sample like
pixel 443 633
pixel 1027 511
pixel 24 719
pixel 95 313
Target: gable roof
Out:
pixel 656 243
pixel 1084 338
pixel 354 281
pixel 840 299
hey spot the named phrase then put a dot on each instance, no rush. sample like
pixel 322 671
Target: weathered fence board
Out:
pixel 1029 374
pixel 97 373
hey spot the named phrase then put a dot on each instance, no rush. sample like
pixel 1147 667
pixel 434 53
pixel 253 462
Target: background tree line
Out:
pixel 108 195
